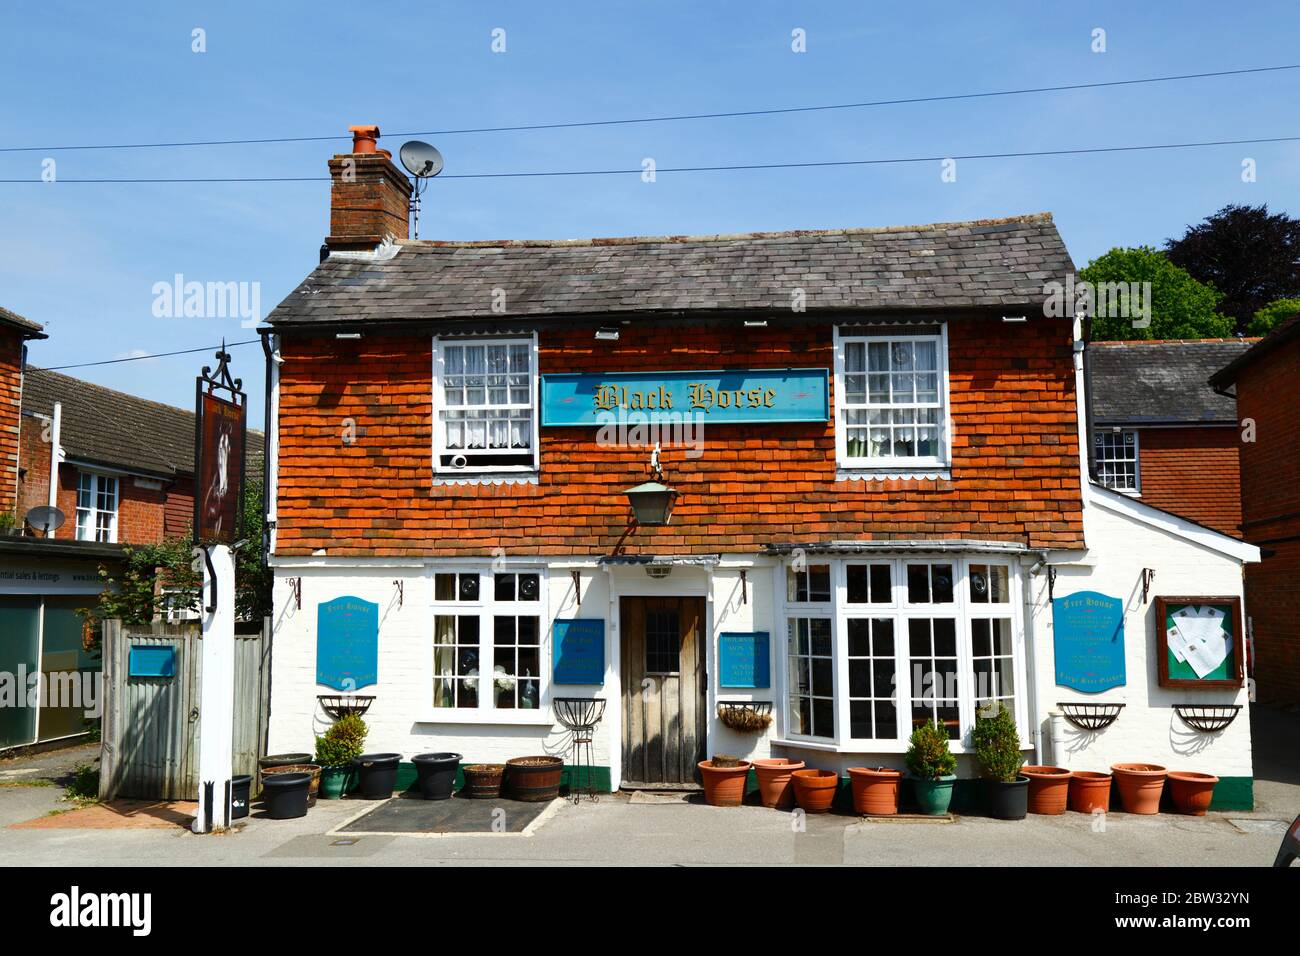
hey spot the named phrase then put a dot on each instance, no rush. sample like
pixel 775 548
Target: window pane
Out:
pixel 941 583
pixel 918 584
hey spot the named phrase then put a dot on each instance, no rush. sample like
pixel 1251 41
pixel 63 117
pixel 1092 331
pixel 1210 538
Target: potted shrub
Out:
pixel 1049 789
pixel 1191 791
pixel 933 767
pixel 776 781
pixel 336 751
pixel 724 780
pixel 815 790
pixel 377 774
pixel 997 750
pixel 435 774
pixel 482 780
pixel 1140 786
pixel 875 790
pixel 1089 791
pixel 534 779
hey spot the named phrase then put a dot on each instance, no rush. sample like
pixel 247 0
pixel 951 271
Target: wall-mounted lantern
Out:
pixel 652 502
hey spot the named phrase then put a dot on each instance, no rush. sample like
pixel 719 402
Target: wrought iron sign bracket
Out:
pixel 1148 575
pixel 295 587
pixel 221 378
pixel 744 586
pixel 1051 583
pixel 576 575
pixel 401 591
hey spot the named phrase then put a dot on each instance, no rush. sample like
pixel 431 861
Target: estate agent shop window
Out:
pixel 875 647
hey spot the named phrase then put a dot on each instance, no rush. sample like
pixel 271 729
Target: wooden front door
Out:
pixel 662 646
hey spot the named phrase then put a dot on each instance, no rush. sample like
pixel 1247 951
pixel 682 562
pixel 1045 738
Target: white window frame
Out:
pixel 962 609
pixel 943 459
pixel 439 406
pixel 97 479
pixel 486 608
pixel 1097 432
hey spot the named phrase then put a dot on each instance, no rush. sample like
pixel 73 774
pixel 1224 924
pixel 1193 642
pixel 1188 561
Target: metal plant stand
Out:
pixel 580 715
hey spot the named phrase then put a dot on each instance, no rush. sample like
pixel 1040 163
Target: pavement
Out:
pixel 618 831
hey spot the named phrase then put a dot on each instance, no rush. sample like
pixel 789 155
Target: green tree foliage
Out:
pixel 1248 254
pixel 1272 315
pixel 1181 307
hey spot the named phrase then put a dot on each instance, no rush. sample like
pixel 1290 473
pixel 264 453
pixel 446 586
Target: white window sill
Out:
pixel 486 715
pixel 485 478
pixel 892 473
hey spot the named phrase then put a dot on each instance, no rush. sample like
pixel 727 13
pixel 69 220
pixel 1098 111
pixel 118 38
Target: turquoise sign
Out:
pixel 725 397
pixel 578 651
pixel 151 660
pixel 1088 629
pixel 744 659
pixel 347 644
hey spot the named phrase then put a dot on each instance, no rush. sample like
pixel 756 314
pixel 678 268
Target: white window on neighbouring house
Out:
pixel 96 507
pixel 1115 453
pixel 891 397
pixel 485 405
pixel 487 640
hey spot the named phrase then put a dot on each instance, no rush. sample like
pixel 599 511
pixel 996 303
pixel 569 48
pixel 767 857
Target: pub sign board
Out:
pixel 1199 642
pixel 735 396
pixel 578 651
pixel 347 644
pixel 744 659
pixel 221 426
pixel 1088 641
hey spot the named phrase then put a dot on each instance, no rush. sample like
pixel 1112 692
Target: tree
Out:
pixel 1181 307
pixel 1250 256
pixel 1272 315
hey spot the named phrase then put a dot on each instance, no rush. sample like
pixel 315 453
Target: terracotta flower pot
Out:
pixel 775 781
pixel 815 789
pixel 1090 791
pixel 1049 789
pixel 1192 791
pixel 875 790
pixel 1140 786
pixel 724 786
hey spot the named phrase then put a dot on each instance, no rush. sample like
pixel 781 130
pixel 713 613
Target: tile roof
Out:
pixel 31 330
pixel 1161 382
pixel 993 263
pixel 107 427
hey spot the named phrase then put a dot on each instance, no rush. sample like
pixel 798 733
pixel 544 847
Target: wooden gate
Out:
pixel 151 723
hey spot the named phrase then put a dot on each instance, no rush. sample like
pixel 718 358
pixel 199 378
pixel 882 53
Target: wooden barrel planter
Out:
pixel 534 779
pixel 313 790
pixel 482 780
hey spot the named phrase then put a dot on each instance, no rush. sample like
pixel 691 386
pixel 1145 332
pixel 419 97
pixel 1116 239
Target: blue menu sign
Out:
pixel 151 660
pixel 1089 641
pixel 347 644
pixel 578 651
pixel 721 397
pixel 744 659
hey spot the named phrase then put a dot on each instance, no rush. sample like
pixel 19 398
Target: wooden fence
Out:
pixel 151 724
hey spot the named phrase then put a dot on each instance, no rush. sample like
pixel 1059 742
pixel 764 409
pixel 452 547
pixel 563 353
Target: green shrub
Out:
pixel 997 745
pixel 343 742
pixel 84 785
pixel 928 755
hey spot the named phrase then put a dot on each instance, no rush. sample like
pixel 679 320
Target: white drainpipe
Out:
pixel 56 427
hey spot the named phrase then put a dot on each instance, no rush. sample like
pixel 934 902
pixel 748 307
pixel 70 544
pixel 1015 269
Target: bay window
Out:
pixel 485 405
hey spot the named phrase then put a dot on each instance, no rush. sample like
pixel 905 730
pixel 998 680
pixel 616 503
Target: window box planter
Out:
pixel 1140 786
pixel 934 795
pixel 534 779
pixel 378 775
pixel 724 783
pixel 285 795
pixel 1049 789
pixel 436 774
pixel 815 790
pixel 483 780
pixel 1191 791
pixel 875 790
pixel 776 781
pixel 1090 791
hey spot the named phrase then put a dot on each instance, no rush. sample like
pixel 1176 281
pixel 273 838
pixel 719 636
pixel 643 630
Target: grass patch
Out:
pixel 83 788
pixel 15 784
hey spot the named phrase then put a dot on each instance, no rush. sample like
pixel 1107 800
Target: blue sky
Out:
pixel 83 259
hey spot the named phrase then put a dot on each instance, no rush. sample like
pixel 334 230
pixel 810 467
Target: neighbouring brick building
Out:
pixel 1266 384
pixel 869 446
pixel 1161 433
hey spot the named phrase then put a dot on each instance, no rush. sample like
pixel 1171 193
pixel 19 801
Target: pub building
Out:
pixel 836 477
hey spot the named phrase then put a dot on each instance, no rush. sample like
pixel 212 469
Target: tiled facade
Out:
pixel 1194 472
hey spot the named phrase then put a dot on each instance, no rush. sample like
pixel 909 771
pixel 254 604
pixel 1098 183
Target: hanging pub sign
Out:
pixel 347 644
pixel 1088 641
pixel 723 397
pixel 578 651
pixel 744 659
pixel 219 432
pixel 1199 641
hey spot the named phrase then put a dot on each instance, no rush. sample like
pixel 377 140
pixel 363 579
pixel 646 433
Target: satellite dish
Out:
pixel 46 518
pixel 420 159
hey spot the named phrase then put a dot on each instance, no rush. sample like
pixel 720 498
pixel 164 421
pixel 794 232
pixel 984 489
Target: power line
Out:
pixel 1028 154
pixel 140 358
pixel 950 97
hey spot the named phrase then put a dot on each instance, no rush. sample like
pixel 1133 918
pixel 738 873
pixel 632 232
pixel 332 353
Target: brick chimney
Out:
pixel 14 333
pixel 370 197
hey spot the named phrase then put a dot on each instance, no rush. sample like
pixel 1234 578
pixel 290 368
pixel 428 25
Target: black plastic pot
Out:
pixel 436 774
pixel 1007 801
pixel 378 775
pixel 283 760
pixel 240 788
pixel 284 795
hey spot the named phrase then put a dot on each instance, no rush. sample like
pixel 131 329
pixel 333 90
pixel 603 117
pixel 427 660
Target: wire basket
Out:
pixel 340 705
pixel 744 716
pixel 1090 716
pixel 1207 718
pixel 578 713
